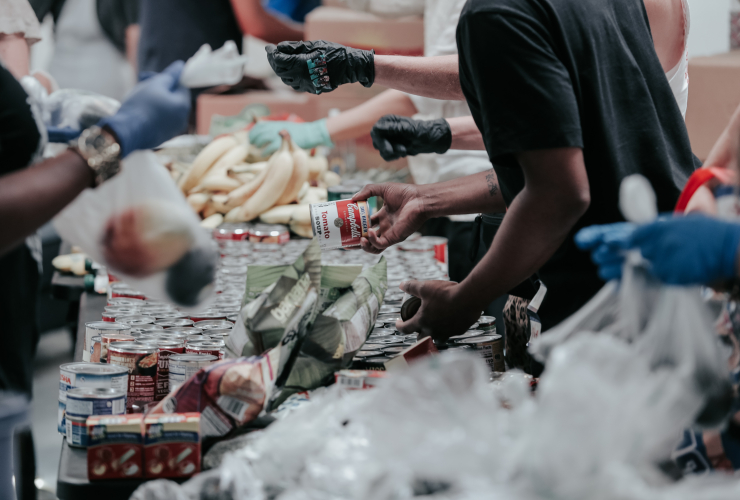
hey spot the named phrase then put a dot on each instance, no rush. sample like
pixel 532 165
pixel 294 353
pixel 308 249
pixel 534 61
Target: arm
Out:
pixel 434 77
pixel 31 197
pixel 133 32
pixel 14 54
pixel 254 20
pixel 465 134
pixel 359 120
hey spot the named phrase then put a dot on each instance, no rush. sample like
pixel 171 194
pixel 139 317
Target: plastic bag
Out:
pixel 208 68
pixel 140 227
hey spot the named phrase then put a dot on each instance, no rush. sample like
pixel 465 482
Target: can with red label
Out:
pixel 136 320
pixel 111 312
pixel 207 316
pixel 439 244
pixel 210 346
pixel 128 293
pixel 142 362
pixel 107 338
pixel 167 347
pixel 235 231
pixel 121 302
pixel 95 328
pixel 340 224
pixel 213 324
pixel 269 233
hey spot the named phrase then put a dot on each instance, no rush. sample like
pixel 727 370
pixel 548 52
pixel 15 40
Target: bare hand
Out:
pixel 402 214
pixel 443 314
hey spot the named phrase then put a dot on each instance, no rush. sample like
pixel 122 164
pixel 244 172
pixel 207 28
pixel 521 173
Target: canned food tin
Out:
pixel 389 320
pixel 368 354
pixel 487 324
pixel 184 366
pixel 169 315
pixel 269 233
pixel 95 328
pixel 467 335
pixel 76 431
pixel 410 307
pixel 95 350
pixel 73 375
pixel 207 316
pixel 196 338
pixel 236 232
pixel 393 350
pixel 389 309
pixel 210 346
pixel 382 332
pixel 154 309
pixel 141 361
pixel 107 338
pixel 214 324
pixel 490 348
pixel 136 320
pixel 167 349
pixel 174 323
pixel 232 317
pixel 340 224
pixel 87 401
pixel 440 247
pixel 185 330
pixel 127 293
pixel 146 329
pixel 111 312
pixel 121 302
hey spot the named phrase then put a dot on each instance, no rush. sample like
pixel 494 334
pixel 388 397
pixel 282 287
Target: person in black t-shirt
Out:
pixel 570 97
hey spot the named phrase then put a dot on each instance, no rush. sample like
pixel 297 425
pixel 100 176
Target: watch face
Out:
pixel 97 141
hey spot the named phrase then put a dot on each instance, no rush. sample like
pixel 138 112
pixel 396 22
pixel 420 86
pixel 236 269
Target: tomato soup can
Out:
pixel 234 231
pixel 210 346
pixel 167 348
pixel 213 324
pixel 128 293
pixel 269 233
pixel 490 348
pixel 107 338
pixel 142 361
pixel 340 224
pixel 184 366
pixel 87 375
pixel 95 328
pixel 487 324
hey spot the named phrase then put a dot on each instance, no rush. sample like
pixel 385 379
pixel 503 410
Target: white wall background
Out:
pixel 710 26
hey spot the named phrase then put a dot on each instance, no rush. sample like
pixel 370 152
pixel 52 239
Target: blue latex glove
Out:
pixel 607 245
pixel 62 135
pixel 681 250
pixel 155 111
pixel 266 134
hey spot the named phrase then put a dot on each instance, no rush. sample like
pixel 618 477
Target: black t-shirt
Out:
pixel 176 29
pixel 19 135
pixel 540 74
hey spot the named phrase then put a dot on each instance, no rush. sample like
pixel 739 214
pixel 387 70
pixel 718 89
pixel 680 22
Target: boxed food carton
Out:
pixel 171 445
pixel 115 447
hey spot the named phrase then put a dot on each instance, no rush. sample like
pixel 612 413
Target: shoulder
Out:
pixel 492 11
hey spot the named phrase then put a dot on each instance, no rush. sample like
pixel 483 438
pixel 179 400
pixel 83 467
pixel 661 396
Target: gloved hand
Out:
pixel 155 111
pixel 681 250
pixel 317 67
pixel 607 244
pixel 62 135
pixel 266 134
pixel 397 136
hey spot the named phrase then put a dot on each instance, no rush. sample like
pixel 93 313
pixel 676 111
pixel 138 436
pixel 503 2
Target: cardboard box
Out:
pixel 714 94
pixel 362 30
pixel 171 445
pixel 115 447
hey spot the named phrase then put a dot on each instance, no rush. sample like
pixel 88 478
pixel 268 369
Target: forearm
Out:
pixel 359 120
pixel 472 194
pixel 132 45
pixel 434 77
pixel 14 54
pixel 533 229
pixel 254 20
pixel 31 197
pixel 465 134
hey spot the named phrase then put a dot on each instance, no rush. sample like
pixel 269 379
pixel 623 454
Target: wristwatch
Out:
pixel 101 152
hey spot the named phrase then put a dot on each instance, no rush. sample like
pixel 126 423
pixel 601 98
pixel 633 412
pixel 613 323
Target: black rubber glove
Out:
pixel 397 136
pixel 317 67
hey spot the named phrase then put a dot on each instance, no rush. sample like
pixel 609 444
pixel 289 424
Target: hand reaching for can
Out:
pixel 443 313
pixel 402 214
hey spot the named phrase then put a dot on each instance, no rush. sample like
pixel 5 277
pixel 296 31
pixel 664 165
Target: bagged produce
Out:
pixel 140 227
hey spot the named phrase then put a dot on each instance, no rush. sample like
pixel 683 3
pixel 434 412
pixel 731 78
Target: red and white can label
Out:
pixel 340 224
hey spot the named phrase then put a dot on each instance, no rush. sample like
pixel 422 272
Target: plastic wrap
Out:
pixel 139 226
pixel 208 68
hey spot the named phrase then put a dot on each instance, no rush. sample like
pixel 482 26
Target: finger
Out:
pixel 368 192
pixel 145 75
pixel 379 242
pixel 400 151
pixel 291 48
pixel 174 71
pixel 611 272
pixel 272 147
pixel 377 217
pixel 411 325
pixel 589 237
pixel 605 255
pixel 415 288
pixel 368 247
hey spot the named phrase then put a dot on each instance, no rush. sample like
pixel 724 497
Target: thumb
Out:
pixel 369 191
pixel 415 288
pixel 171 74
pixel 273 146
pixel 411 325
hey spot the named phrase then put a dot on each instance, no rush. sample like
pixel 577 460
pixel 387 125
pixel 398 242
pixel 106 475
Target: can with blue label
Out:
pixel 87 375
pixel 76 431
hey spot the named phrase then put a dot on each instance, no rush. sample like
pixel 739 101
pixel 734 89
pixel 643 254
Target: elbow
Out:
pixel 577 204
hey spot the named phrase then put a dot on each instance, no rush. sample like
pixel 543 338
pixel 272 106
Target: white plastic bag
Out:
pixel 208 68
pixel 178 257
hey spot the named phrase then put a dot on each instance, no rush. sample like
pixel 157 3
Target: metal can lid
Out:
pixel 95 338
pixel 206 344
pixel 162 342
pixel 389 318
pixel 132 347
pixel 193 358
pixel 217 323
pixel 268 230
pixel 82 367
pixel 486 321
pixel 185 330
pixel 107 325
pixel 368 354
pixel 394 350
pixel 135 320
pixel 94 393
pixel 172 323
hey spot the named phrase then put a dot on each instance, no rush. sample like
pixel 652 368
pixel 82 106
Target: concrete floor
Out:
pixel 54 349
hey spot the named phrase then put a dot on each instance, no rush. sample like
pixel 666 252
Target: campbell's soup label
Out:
pixel 340 224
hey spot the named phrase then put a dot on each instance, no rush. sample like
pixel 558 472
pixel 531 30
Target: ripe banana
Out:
pixel 204 161
pixel 317 165
pixel 299 177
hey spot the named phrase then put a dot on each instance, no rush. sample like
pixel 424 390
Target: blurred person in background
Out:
pixel 175 29
pixel 95 44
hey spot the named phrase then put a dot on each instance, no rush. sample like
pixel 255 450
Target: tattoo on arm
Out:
pixel 492 186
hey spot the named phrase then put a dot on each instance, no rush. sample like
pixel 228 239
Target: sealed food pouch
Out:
pixel 139 225
pixel 340 224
